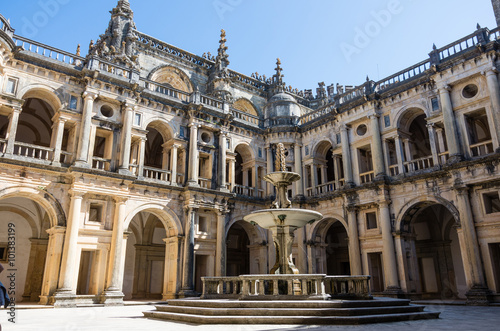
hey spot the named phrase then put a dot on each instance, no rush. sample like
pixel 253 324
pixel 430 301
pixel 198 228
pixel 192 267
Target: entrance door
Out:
pixel 377 280
pixel 200 271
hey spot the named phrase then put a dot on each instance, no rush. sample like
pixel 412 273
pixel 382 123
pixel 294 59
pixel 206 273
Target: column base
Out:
pixel 224 189
pixel 125 172
pixel 455 159
pixel 479 296
pixel 64 299
pixel 187 293
pixel 112 298
pixel 81 164
pixel 193 184
pixel 393 292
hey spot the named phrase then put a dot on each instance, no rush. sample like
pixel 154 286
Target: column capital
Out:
pixel 373 116
pixel 56 230
pixel 430 125
pixel 444 88
pixel 461 189
pixel 352 208
pixel 129 105
pixel 90 95
pixel 17 109
pixel 120 199
pixel 343 127
pixel 491 71
pixel 77 194
pixel 384 203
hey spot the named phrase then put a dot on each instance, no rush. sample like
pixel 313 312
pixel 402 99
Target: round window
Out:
pixel 205 137
pixel 361 130
pixel 107 111
pixel 470 91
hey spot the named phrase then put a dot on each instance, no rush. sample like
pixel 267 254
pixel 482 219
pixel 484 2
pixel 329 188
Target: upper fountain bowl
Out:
pixel 283 177
pixel 294 217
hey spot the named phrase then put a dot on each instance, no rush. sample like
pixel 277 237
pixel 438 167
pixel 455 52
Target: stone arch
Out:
pixel 411 208
pixel 162 126
pixel 246 106
pixel 46 200
pixel 321 148
pixel 172 77
pixel 258 233
pixel 35 230
pixel 324 224
pixel 245 150
pixel 168 217
pixel 38 91
pixel 407 114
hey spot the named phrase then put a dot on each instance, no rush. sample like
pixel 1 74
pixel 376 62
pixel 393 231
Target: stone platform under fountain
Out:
pixel 285 296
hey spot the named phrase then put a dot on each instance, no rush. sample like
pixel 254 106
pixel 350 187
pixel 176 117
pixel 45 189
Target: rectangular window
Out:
pixel 95 213
pixel 182 132
pixel 387 121
pixel 11 86
pixel 339 139
pixel 137 119
pixel 260 152
pixel 307 150
pixel 371 221
pixel 491 203
pixel 73 102
pixel 435 104
pixel 203 224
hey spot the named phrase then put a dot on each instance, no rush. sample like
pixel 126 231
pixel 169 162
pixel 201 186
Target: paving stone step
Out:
pixel 290 311
pixel 309 320
pixel 377 302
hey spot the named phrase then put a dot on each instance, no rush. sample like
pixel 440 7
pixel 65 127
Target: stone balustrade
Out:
pixel 286 287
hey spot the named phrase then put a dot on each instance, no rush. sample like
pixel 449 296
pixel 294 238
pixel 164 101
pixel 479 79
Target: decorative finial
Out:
pixel 78 51
pixel 434 46
pixel 478 26
pixel 221 61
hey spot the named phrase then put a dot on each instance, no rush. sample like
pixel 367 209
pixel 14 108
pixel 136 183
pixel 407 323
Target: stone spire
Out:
pixel 117 44
pixel 277 83
pixel 496 9
pixel 221 61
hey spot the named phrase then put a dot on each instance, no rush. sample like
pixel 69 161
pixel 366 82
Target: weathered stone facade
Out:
pixel 127 173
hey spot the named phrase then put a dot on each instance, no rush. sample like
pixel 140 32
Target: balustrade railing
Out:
pixel 157 174
pixel 367 177
pixel 115 69
pixel 100 163
pixel 313 115
pixel 47 51
pixel 211 102
pixel 394 170
pixel 443 157
pixel 245 117
pixel 243 190
pixel 3 145
pixel 166 90
pixel 403 75
pixel 458 46
pixel 286 287
pixel 419 164
pixel 33 151
pixel 482 148
pixel 205 183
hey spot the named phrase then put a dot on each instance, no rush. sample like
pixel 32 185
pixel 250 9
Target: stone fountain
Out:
pixel 282 219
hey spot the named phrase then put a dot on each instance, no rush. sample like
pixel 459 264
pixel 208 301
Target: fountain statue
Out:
pixel 282 219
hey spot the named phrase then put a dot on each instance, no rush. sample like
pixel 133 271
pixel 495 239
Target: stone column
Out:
pixel 194 162
pixel 58 134
pixel 126 140
pixel 85 130
pixel 354 252
pixel 400 153
pixel 378 153
pixel 113 294
pixel 388 252
pixel 346 157
pixel 232 170
pixel 298 169
pixel 270 187
pixel 12 130
pixel 222 162
pixel 52 263
pixel 220 253
pixel 142 156
pixel 450 125
pixel 494 115
pixel 315 179
pixel 432 141
pixel 440 140
pixel 188 266
pixel 66 292
pixel 478 293
pixel 336 168
pixel 173 164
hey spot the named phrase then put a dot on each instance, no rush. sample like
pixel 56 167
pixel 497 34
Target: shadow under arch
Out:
pixel 173 77
pixel 51 205
pixel 168 218
pixel 38 91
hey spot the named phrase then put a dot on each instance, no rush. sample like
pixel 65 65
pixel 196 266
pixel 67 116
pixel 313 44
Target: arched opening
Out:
pixel 151 259
pixel 238 251
pixel 325 173
pixel 29 222
pixel 432 257
pixel 337 250
pixel 158 155
pixel 245 106
pixel 245 180
pixel 173 78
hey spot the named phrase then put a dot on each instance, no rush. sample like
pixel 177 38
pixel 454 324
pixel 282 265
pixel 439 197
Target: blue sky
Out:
pixel 318 40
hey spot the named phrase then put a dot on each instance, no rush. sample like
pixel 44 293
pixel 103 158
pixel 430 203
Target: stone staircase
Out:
pixel 378 310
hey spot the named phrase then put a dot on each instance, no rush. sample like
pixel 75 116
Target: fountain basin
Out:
pixel 269 218
pixel 284 177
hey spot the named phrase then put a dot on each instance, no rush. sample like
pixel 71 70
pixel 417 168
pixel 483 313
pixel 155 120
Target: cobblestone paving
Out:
pixel 130 318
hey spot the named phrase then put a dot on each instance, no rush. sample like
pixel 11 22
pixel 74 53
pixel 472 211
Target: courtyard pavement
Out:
pixel 130 318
